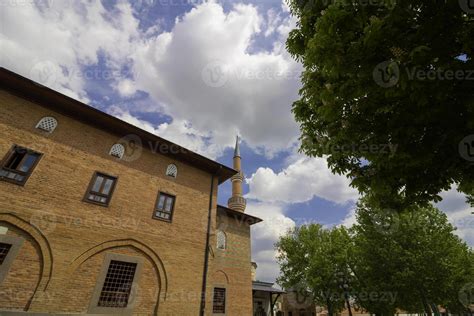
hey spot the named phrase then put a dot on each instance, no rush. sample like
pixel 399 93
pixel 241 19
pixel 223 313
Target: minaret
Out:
pixel 237 201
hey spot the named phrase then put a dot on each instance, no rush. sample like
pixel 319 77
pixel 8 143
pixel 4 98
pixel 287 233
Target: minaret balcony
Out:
pixel 237 203
pixel 237 177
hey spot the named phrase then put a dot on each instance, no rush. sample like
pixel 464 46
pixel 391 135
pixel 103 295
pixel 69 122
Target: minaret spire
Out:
pixel 237 147
pixel 237 201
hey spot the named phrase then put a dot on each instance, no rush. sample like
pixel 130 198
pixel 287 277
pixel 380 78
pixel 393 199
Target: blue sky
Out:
pixel 197 73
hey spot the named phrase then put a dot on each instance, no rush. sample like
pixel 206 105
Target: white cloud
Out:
pixel 202 72
pixel 303 179
pixel 175 68
pixel 61 37
pixel 459 214
pixel 453 204
pixel 350 218
pixel 273 20
pixel 300 182
pixel 265 235
pixel 126 87
pixel 275 223
pixel 178 131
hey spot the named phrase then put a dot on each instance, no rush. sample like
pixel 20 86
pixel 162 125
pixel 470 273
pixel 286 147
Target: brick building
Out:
pixel 100 217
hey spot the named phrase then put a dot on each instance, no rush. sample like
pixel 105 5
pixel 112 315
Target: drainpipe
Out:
pixel 206 250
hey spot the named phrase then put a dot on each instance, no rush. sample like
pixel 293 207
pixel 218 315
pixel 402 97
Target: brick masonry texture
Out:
pixel 66 239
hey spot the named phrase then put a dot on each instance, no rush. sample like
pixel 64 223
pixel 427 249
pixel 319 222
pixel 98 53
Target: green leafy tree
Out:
pixel 311 258
pixel 460 290
pixel 414 255
pixel 380 96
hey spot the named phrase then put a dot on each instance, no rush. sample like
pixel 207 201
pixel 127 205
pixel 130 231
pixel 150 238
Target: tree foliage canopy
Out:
pixel 310 259
pixel 410 260
pixel 414 254
pixel 378 98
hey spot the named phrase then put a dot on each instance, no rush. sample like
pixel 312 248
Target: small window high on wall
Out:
pixel 221 240
pixel 117 151
pixel 47 124
pixel 172 171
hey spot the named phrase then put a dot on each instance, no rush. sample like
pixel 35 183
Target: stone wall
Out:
pixel 231 267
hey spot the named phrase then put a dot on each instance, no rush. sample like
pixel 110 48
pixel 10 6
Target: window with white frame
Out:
pixel 47 124
pixel 117 151
pixel 221 240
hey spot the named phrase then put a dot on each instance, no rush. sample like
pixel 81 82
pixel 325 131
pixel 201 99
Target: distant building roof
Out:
pixel 65 105
pixel 266 287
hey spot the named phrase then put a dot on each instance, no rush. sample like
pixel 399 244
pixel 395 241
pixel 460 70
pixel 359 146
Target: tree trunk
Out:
pixel 435 309
pixel 426 306
pixel 328 302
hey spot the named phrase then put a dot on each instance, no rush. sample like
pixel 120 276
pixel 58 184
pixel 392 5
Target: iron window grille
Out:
pixel 219 301
pixel 118 284
pixel 164 206
pixel 101 189
pixel 47 124
pixel 18 164
pixel 221 240
pixel 4 250
pixel 117 151
pixel 172 171
pixel 9 248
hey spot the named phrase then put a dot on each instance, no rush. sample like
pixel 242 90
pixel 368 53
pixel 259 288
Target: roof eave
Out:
pixel 266 287
pixel 243 217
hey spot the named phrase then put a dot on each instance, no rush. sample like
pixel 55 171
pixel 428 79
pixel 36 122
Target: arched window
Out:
pixel 221 240
pixel 172 171
pixel 117 151
pixel 47 124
